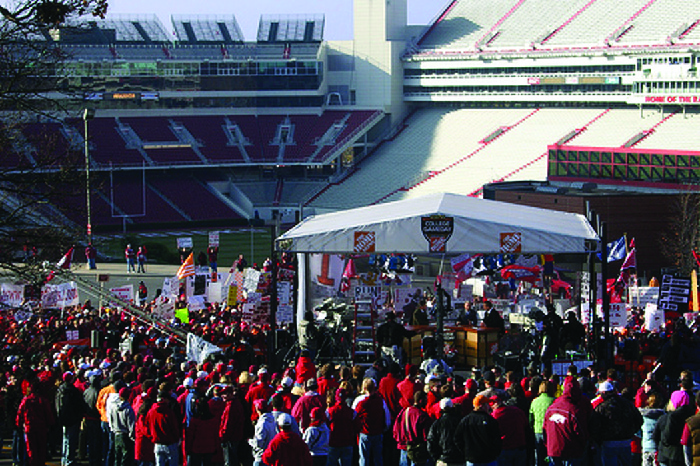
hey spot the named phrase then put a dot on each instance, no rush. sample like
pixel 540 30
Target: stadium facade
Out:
pixel 578 91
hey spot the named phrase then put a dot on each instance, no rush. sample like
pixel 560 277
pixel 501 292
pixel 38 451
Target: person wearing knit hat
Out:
pixel 441 436
pixel 265 430
pixel 478 436
pixel 317 436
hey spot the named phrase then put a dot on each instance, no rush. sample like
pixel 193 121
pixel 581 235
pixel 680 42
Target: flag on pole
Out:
pixel 187 267
pixel 463 266
pixel 616 250
pixel 66 260
pixel 348 273
pixel 631 259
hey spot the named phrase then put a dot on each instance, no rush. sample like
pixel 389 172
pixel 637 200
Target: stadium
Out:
pixel 211 129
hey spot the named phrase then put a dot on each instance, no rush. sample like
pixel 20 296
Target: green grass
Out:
pixel 162 247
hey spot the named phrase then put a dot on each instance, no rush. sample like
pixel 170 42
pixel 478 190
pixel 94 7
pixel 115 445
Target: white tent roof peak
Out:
pixel 479 226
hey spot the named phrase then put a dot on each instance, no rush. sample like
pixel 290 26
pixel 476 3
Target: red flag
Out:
pixel 187 267
pixel 66 260
pixel 348 273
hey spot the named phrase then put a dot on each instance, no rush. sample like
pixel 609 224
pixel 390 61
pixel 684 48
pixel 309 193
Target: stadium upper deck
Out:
pixel 583 52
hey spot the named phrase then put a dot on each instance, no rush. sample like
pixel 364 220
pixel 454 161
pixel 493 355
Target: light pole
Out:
pixel 88 114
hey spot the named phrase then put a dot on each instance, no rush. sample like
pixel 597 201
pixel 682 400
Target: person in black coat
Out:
pixel 70 408
pixel 441 437
pixel 478 436
pixel 669 429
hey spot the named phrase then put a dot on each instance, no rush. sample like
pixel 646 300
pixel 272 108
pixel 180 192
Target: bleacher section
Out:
pixel 435 153
pixel 229 139
pixel 194 198
pixel 131 28
pixel 533 20
pixel 466 23
pixel 520 25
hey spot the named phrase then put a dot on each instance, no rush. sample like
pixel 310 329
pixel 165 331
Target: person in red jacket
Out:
pixel 310 400
pixel 566 425
pixel 327 380
pixel 143 447
pixel 305 368
pixel 261 390
pixel 373 418
pixel 164 429
pixel 388 388
pixel 287 448
pixel 343 434
pixel 408 386
pixel 35 416
pixel 412 425
pixel 231 427
pixel 202 437
pixel 514 426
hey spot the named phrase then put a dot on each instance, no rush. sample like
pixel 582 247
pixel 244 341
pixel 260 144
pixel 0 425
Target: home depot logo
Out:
pixel 511 242
pixel 365 241
pixel 437 229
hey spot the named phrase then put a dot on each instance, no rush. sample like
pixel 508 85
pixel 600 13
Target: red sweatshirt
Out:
pixel 287 449
pixel 231 429
pixel 202 435
pixel 340 421
pixel 162 423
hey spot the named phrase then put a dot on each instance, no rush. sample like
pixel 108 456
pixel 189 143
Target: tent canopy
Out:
pixel 421 226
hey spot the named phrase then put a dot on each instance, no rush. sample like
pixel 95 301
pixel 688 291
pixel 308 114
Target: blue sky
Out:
pixel 338 12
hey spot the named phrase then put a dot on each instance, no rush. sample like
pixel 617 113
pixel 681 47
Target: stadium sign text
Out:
pixel 666 99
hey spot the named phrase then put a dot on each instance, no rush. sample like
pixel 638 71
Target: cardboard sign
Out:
pixel 654 317
pixel 186 243
pixel 232 297
pixel 284 292
pixel 164 309
pixel 252 278
pixel 285 314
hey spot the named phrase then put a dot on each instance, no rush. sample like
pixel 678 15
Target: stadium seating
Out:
pixel 657 25
pixel 465 23
pixel 679 132
pixel 194 198
pixel 626 124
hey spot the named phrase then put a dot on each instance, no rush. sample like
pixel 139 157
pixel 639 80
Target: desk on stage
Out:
pixel 475 345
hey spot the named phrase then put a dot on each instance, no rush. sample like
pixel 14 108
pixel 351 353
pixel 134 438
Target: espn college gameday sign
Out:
pixel 437 229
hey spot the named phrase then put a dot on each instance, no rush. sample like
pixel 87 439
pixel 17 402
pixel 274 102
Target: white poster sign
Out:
pixel 164 309
pixel 185 243
pixel 653 317
pixel 195 303
pixel 11 295
pixel 171 287
pixel 214 238
pixel 59 296
pixel 199 349
pixel 125 293
pixel 284 292
pixel 285 314
pixel 252 278
pixel 214 292
pixel 618 315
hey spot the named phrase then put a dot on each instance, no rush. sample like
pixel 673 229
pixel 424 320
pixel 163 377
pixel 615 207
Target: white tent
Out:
pixel 422 226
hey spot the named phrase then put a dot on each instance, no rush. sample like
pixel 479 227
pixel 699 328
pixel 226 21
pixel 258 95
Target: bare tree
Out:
pixel 683 233
pixel 40 173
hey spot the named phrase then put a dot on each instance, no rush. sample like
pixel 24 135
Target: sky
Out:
pixel 338 12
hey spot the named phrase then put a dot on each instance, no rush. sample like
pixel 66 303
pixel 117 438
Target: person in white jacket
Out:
pixel 317 436
pixel 265 431
pixel 122 422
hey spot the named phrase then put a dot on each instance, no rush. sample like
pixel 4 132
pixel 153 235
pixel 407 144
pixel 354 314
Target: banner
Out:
pixel 11 295
pixel 199 349
pixel 125 293
pixel 326 270
pixel 59 296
